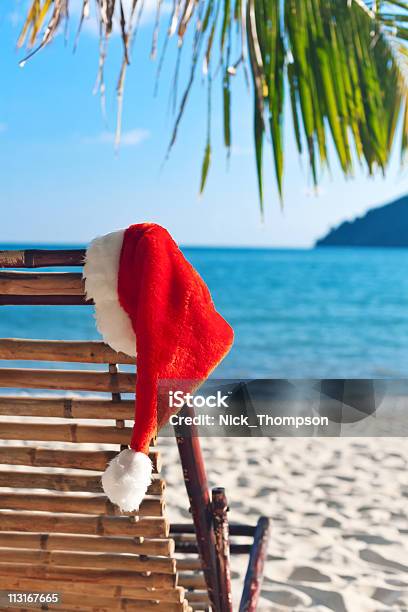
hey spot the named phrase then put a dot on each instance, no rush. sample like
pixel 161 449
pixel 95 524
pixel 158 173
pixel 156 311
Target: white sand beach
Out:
pixel 339 517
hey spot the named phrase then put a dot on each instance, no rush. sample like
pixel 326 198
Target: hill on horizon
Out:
pixel 385 226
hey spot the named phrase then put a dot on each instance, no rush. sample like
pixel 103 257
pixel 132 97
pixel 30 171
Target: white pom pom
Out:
pixel 127 478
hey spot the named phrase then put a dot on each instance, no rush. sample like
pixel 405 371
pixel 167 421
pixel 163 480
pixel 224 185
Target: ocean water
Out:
pixel 334 313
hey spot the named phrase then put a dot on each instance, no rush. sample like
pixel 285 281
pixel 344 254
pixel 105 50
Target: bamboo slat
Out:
pixel 44 300
pixel 69 380
pixel 124 579
pixel 41 258
pixel 127 605
pixel 187 548
pixel 190 547
pixel 41 283
pixel 63 482
pixel 235 529
pixel 198 596
pixel 45 457
pixel 91 504
pixel 192 581
pixel 99 604
pixel 45 541
pixel 64 407
pixel 105 561
pixel 203 606
pixel 65 433
pixel 174 595
pixel 59 350
pixel 87 525
pixel 189 564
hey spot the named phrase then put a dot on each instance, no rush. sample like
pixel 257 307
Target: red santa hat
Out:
pixel 152 304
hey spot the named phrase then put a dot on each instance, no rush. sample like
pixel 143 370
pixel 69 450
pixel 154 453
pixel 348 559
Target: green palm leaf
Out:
pixel 343 63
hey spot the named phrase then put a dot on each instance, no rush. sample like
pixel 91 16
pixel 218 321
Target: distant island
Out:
pixel 385 226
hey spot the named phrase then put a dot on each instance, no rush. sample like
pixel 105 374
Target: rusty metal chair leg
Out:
pixel 195 479
pixel 254 575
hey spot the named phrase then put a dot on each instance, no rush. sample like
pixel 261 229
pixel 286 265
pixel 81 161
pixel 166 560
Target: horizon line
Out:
pixel 81 245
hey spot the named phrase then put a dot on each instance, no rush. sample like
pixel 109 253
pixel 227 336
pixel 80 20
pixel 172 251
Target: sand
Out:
pixel 339 517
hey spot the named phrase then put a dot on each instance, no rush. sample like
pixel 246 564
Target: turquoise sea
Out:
pixel 322 313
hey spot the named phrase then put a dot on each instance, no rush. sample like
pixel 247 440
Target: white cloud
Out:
pixel 134 137
pixel 130 138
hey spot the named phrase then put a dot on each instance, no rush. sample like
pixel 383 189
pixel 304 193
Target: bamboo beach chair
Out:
pixel 58 532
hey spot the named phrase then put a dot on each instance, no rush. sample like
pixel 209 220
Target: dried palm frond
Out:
pixel 343 64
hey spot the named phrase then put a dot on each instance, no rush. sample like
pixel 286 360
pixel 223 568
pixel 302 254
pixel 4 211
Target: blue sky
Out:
pixel 62 181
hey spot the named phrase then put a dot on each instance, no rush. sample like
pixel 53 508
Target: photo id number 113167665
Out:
pixel 9 599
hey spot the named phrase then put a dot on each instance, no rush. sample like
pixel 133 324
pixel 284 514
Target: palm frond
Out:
pixel 343 64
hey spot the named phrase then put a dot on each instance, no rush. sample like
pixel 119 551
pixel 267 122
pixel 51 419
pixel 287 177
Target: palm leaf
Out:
pixel 344 64
pixel 205 166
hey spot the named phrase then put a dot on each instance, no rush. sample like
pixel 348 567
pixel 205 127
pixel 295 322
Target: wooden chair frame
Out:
pixel 214 536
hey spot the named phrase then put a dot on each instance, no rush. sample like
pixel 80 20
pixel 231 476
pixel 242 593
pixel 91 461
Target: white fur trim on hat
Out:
pixel 101 271
pixel 127 478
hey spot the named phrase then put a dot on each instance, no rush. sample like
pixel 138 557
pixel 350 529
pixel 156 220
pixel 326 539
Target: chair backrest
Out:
pixel 58 531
